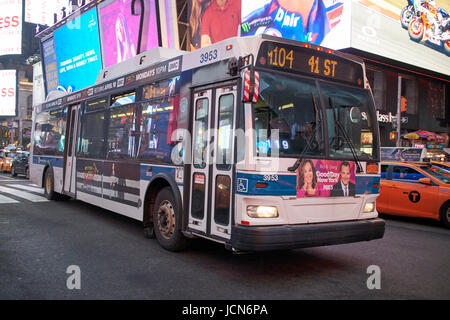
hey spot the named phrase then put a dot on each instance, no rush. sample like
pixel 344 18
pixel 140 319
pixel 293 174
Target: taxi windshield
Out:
pixel 10 154
pixel 438 173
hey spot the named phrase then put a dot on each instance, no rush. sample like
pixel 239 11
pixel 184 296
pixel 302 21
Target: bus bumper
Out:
pixel 245 238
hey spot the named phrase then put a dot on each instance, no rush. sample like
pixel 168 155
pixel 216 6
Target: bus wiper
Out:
pixel 311 138
pixel 347 139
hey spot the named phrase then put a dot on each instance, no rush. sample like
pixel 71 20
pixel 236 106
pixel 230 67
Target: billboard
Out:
pixel 38 84
pixel 377 28
pixel 50 65
pixel 169 24
pixel 120 30
pixel 322 22
pixel 10 27
pixel 78 55
pixel 8 92
pixel 402 154
pixel 211 21
pixel 42 11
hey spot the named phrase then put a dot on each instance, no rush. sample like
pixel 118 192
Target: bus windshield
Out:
pixel 289 119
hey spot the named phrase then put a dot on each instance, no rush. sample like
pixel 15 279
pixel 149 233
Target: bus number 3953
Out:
pixel 209 56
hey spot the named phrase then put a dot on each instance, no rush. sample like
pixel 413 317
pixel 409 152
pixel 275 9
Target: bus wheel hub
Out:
pixel 166 219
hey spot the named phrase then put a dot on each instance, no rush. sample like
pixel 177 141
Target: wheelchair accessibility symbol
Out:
pixel 242 185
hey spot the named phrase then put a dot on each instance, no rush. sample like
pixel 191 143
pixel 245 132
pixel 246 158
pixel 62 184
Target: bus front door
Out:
pixel 70 150
pixel 211 206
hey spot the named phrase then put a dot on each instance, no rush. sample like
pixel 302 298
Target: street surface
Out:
pixel 40 239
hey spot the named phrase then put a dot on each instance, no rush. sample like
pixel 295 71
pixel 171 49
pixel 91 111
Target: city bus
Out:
pixel 258 143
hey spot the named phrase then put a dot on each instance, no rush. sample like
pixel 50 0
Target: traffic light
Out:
pixel 393 135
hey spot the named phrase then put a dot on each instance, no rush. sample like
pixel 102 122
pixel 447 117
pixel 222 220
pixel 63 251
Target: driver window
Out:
pixel 288 117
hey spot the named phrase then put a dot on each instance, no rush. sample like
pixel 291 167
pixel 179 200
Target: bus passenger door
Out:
pixel 212 161
pixel 201 145
pixel 222 167
pixel 70 150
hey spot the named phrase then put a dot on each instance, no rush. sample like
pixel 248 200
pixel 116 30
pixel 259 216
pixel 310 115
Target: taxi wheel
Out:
pixel 445 215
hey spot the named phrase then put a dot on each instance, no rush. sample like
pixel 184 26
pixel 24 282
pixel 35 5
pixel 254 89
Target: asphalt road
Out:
pixel 40 240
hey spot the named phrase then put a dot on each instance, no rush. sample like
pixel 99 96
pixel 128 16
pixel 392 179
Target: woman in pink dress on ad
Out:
pixel 307 185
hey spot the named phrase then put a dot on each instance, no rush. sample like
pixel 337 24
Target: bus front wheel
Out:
pixel 167 221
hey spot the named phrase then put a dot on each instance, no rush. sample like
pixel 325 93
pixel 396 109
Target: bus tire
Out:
pixel 149 232
pixel 167 221
pixel 445 215
pixel 49 185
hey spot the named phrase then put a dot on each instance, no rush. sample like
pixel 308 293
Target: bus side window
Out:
pixel 120 141
pixel 92 136
pixel 200 134
pixel 225 127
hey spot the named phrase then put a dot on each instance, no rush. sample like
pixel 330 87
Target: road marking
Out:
pixel 22 194
pixel 4 199
pixel 27 187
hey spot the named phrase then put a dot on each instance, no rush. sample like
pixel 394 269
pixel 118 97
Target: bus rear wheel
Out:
pixel 167 221
pixel 49 186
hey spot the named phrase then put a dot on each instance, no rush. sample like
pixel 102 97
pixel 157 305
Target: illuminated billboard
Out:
pixel 42 11
pixel 322 22
pixel 120 30
pixel 10 27
pixel 210 22
pixel 50 65
pixel 8 92
pixel 377 27
pixel 78 56
pixel 169 24
pixel 38 84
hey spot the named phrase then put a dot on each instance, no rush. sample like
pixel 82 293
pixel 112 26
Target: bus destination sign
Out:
pixel 295 59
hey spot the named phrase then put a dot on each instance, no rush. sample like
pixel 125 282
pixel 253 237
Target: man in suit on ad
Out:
pixel 344 187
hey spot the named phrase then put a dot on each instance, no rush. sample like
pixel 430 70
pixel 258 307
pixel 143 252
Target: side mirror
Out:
pixel 425 181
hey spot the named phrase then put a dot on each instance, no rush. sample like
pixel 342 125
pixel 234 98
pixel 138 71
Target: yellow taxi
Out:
pixel 416 190
pixel 6 158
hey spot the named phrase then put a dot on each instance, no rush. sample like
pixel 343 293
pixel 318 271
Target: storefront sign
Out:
pixel 385 118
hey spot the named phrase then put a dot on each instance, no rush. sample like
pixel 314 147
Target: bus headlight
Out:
pixel 369 207
pixel 262 212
